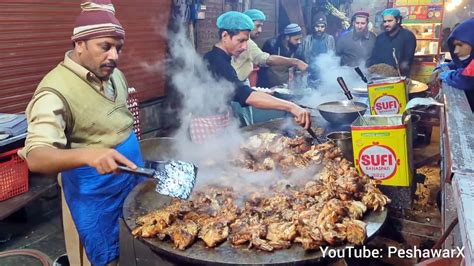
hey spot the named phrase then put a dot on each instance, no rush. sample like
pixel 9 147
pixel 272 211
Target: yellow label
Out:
pixel 387 98
pixel 382 153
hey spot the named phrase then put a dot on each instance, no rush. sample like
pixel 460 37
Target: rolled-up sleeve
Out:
pixel 46 123
pixel 257 56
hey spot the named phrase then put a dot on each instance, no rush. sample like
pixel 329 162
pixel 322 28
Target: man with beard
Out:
pixel 234 32
pixel 79 125
pixel 315 44
pixel 245 62
pixel 394 37
pixel 254 56
pixel 285 45
pixel 356 45
pixel 459 73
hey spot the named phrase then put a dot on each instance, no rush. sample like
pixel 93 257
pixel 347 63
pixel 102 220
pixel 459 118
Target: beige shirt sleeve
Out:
pixel 46 123
pixel 257 56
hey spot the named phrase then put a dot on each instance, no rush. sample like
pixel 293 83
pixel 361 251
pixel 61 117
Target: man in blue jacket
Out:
pixel 459 73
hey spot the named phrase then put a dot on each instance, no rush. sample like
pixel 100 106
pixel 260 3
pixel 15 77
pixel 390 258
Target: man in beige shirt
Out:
pixel 79 126
pixel 254 56
pixel 244 63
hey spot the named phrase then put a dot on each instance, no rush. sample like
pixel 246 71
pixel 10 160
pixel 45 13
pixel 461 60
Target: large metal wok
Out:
pixel 143 199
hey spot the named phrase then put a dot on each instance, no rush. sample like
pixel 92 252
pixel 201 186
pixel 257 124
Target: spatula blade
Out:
pixel 175 178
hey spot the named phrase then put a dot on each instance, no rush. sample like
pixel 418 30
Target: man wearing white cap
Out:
pixel 285 45
pixel 79 125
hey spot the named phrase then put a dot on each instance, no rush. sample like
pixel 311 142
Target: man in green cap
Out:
pixel 396 40
pixel 245 62
pixel 234 31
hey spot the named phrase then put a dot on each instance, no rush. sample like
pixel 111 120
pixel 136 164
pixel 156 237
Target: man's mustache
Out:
pixel 111 64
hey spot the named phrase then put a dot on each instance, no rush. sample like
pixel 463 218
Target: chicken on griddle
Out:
pixel 325 209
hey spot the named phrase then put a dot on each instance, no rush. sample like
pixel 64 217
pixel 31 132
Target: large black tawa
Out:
pixel 143 199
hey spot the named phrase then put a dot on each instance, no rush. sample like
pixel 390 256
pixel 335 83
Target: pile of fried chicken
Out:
pixel 327 210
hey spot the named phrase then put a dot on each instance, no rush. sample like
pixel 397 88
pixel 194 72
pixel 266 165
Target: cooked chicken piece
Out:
pixel 153 223
pixel 261 244
pixel 308 243
pixel 269 164
pixel 310 237
pixel 214 233
pixel 334 234
pixel 355 231
pixel 163 216
pixel 277 245
pixel 356 209
pixel 149 230
pixel 183 234
pixel 244 229
pixel 333 212
pixel 281 231
pixel 314 188
pixel 375 200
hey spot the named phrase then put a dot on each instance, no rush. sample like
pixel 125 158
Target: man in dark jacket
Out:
pixel 395 38
pixel 284 45
pixel 355 46
pixel 319 42
pixel 459 73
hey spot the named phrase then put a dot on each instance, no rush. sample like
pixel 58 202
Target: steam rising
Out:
pixel 202 94
pixel 328 88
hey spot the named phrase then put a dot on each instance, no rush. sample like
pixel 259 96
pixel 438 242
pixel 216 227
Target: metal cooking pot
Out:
pixel 343 140
pixel 341 112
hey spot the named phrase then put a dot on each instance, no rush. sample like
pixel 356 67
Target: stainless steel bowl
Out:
pixel 341 112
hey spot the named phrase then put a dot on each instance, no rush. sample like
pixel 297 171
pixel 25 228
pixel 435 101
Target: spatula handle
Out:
pixel 138 171
pixel 361 75
pixel 344 87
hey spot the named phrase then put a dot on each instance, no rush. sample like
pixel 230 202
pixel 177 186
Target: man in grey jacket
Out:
pixel 315 44
pixel 355 46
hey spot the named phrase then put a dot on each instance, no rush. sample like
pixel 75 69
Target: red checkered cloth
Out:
pixel 203 128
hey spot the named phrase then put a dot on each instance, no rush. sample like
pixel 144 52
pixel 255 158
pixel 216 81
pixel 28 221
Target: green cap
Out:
pixel 255 14
pixel 391 12
pixel 234 20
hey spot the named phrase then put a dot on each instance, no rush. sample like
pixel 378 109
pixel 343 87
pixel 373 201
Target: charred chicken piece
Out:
pixel 214 233
pixel 153 223
pixel 183 234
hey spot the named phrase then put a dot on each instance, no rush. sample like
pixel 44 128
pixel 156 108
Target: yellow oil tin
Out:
pixel 387 96
pixel 382 149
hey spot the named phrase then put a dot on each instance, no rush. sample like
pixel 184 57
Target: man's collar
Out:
pixel 83 72
pixel 221 51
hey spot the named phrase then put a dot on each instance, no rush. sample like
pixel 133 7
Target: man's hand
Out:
pixel 435 83
pixel 301 65
pixel 302 116
pixel 106 160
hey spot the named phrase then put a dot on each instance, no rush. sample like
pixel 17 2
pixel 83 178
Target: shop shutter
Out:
pixel 36 34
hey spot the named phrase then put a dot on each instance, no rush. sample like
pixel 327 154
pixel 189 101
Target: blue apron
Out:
pixel 96 200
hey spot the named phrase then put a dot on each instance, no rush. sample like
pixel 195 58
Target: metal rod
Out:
pixel 394 54
pixel 348 94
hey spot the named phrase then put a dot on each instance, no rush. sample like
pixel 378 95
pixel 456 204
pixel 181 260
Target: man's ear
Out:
pixel 224 34
pixel 79 46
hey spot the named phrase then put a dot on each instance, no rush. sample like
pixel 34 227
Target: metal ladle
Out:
pixel 348 94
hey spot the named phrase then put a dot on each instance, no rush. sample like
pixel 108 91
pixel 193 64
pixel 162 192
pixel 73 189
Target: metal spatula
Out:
pixel 175 178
